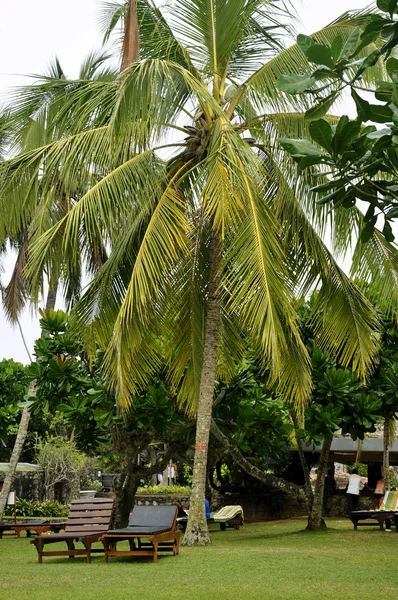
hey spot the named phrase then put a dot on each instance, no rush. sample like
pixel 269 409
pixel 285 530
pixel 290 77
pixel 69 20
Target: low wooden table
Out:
pixel 39 527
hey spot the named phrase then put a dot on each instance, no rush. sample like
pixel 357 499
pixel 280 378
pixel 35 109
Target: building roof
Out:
pixel 344 450
pixel 22 466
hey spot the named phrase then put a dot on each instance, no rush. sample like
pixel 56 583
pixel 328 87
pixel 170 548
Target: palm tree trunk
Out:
pixel 16 453
pixel 386 454
pixel 315 520
pixel 51 296
pixel 197 531
pixel 24 423
pixel 131 42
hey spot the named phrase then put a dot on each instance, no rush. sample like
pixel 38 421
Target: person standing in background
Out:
pixel 328 493
pixel 354 487
pixel 379 492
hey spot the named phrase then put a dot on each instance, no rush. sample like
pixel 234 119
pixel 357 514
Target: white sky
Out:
pixel 32 32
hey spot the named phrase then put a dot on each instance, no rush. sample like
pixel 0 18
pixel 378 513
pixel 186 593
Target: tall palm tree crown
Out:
pixel 210 233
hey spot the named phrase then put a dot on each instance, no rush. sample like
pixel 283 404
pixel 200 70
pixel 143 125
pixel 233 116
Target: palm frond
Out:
pixel 164 241
pixel 185 318
pixel 102 208
pixel 17 290
pixel 375 266
pixel 344 321
pixel 232 37
pixel 258 289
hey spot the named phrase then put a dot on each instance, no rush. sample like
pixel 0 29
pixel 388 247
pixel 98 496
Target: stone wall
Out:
pixel 27 485
pixel 270 506
pixel 256 507
pixel 160 499
pixel 366 502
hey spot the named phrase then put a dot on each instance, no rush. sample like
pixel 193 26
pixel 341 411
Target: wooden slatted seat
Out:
pixel 88 518
pixel 150 529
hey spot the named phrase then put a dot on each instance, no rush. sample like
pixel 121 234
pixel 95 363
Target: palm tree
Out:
pixel 211 235
pixel 23 133
pixel 31 127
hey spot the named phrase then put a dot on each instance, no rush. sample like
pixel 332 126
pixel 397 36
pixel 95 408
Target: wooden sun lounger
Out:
pixel 87 521
pixel 151 529
pixel 379 516
pixel 229 516
pixel 39 526
pixel 387 512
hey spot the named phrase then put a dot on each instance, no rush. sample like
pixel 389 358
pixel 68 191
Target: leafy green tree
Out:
pixel 14 382
pixel 339 401
pixel 357 158
pixel 63 462
pixel 64 377
pixel 209 236
pixel 384 382
pixel 256 419
pixel 68 383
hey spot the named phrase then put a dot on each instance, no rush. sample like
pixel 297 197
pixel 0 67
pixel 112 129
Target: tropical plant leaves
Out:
pixel 295 84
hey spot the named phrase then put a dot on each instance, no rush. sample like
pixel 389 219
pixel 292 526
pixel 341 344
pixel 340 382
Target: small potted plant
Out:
pixel 91 488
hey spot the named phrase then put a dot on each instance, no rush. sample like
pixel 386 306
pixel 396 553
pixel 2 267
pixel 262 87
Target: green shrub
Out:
pixel 171 489
pixel 361 468
pixel 29 508
pixel 90 484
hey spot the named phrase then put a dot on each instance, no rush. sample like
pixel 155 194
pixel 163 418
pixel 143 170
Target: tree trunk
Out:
pixel 315 520
pixel 131 43
pixel 127 483
pixel 307 475
pixel 306 471
pixel 126 488
pixel 16 453
pixel 197 531
pixel 131 474
pixel 386 454
pixel 291 489
pixel 51 297
pixel 152 454
pixel 164 483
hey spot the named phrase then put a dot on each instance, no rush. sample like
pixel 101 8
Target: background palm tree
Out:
pixel 211 234
pixel 31 127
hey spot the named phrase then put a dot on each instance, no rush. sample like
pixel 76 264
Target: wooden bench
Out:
pixel 151 529
pixel 87 521
pixel 39 526
pixel 379 516
pixel 387 512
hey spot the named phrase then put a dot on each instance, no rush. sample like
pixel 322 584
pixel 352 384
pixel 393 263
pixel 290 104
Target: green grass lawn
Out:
pixel 264 560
